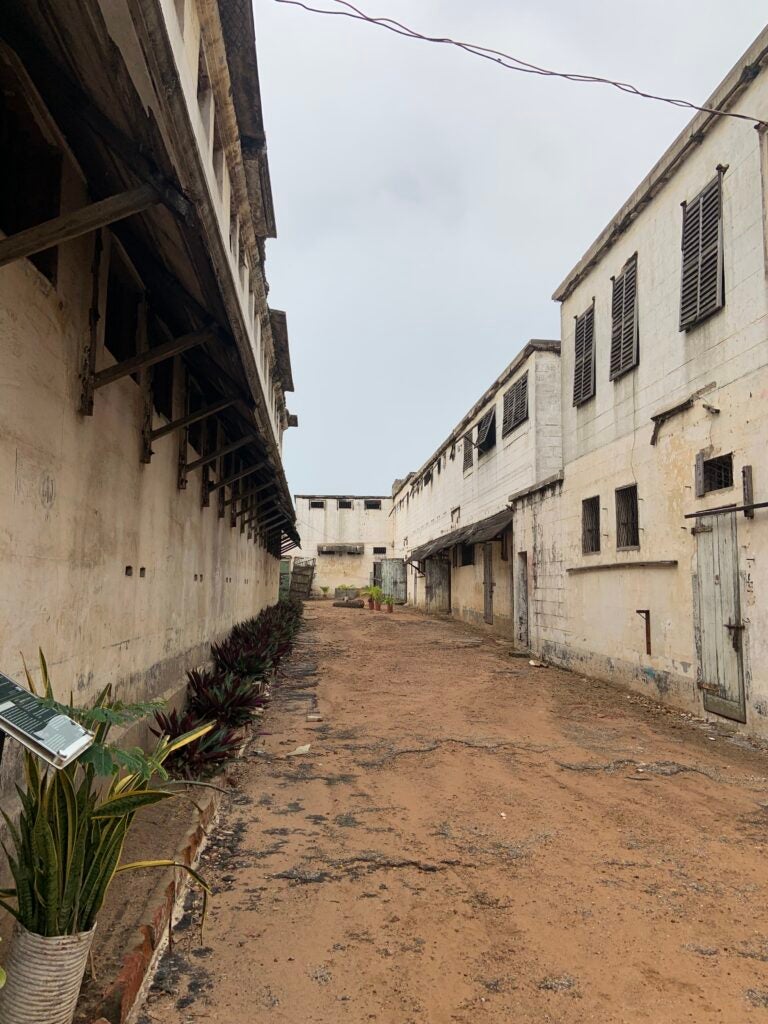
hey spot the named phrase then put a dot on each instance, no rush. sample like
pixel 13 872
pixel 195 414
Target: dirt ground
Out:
pixel 472 838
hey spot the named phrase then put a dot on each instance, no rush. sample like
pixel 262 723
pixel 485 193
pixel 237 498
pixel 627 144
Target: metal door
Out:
pixel 488 583
pixel 521 599
pixel 437 585
pixel 393 578
pixel 719 628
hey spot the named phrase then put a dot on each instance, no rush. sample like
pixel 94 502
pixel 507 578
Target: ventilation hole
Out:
pixel 129 570
pixel 142 572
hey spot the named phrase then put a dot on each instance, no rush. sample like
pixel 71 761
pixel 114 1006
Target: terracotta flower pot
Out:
pixel 390 608
pixel 377 605
pixel 44 977
pixel 370 603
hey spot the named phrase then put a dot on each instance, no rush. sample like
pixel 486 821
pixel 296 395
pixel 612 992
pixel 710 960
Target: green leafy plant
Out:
pixel 374 593
pixel 225 698
pixel 202 756
pixel 66 845
pixel 388 600
pixel 325 591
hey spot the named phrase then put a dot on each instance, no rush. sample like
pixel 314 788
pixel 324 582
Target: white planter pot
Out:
pixel 44 977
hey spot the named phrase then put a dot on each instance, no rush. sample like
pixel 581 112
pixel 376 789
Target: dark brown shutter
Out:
pixel 468 450
pixel 515 405
pixel 624 332
pixel 701 285
pixel 700 491
pixel 584 357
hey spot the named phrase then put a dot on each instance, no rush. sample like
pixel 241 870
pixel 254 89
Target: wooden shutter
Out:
pixel 468 450
pixel 584 357
pixel 624 331
pixel 701 284
pixel 699 479
pixel 486 431
pixel 515 406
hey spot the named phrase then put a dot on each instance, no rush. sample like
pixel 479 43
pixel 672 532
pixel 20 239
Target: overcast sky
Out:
pixel 428 203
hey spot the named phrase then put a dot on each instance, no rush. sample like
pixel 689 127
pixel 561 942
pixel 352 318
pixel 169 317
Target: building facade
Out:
pixel 142 402
pixel 348 536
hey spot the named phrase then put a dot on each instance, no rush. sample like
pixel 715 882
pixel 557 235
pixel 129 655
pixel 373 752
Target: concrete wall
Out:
pixel 606 441
pixel 334 525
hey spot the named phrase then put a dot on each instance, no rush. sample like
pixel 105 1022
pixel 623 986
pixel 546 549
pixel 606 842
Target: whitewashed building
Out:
pixel 348 535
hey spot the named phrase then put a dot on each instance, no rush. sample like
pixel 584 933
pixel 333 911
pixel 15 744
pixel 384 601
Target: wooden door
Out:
pixel 438 585
pixel 719 629
pixel 393 578
pixel 521 599
pixel 488 583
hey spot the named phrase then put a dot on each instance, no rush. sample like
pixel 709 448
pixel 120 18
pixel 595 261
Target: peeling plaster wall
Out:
pixel 78 507
pixel 606 441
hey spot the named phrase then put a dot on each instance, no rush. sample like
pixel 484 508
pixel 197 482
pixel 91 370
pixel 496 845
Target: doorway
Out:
pixel 719 629
pixel 437 585
pixel 521 600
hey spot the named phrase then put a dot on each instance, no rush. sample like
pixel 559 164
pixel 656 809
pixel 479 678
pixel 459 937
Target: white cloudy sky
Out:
pixel 428 202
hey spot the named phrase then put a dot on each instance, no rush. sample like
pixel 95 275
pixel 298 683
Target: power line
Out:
pixel 509 62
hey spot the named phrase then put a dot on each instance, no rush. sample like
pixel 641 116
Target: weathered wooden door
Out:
pixel 488 583
pixel 719 628
pixel 437 585
pixel 393 577
pixel 521 599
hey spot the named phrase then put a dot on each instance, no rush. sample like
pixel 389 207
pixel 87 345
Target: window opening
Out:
pixel 627 525
pixel 590 525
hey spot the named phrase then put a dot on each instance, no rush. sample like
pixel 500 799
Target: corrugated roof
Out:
pixel 476 533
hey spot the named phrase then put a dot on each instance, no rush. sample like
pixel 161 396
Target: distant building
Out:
pixel 144 381
pixel 348 535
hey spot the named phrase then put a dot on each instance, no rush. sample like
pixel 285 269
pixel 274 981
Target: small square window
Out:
pixel 467 554
pixel 379 551
pixel 317 504
pixel 627 524
pixel 345 503
pixel 590 525
pixel 714 474
pixel 372 504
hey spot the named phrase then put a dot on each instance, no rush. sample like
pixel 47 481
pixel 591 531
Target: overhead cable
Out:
pixel 511 63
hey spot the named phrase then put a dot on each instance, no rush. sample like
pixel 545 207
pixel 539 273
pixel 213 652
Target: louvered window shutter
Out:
pixel 515 406
pixel 701 285
pixel 700 489
pixel 624 328
pixel 484 427
pixel 584 357
pixel 468 450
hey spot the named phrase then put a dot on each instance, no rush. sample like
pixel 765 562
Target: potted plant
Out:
pixel 376 594
pixel 325 591
pixel 368 591
pixel 389 601
pixel 64 852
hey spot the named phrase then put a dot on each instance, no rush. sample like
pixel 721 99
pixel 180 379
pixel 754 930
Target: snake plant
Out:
pixel 64 850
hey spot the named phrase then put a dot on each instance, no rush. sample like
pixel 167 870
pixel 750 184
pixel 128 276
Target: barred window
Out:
pixel 627 525
pixel 624 327
pixel 468 457
pixel 584 357
pixel 701 284
pixel 345 503
pixel 317 504
pixel 379 551
pixel 372 504
pixel 713 474
pixel 467 554
pixel 590 525
pixel 515 405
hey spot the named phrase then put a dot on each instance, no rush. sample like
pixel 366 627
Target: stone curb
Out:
pixel 124 991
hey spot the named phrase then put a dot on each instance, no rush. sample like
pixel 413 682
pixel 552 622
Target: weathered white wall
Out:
pixel 530 453
pixel 332 525
pixel 606 442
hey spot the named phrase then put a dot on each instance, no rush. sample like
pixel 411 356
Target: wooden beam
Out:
pixel 77 223
pixel 193 417
pixel 248 494
pixel 212 456
pixel 238 476
pixel 94 339
pixel 145 382
pixel 153 355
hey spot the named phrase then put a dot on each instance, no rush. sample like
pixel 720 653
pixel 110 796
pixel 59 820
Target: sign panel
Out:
pixel 54 737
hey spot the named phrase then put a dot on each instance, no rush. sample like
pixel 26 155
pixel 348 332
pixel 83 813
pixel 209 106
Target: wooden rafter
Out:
pixel 249 494
pixel 193 417
pixel 153 355
pixel 225 450
pixel 238 476
pixel 77 223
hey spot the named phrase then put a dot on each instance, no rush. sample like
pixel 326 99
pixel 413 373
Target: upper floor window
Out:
pixel 627 521
pixel 515 405
pixel 486 432
pixel 317 503
pixel 625 351
pixel 701 285
pixel 345 503
pixel 379 551
pixel 584 357
pixel 372 504
pixel 468 451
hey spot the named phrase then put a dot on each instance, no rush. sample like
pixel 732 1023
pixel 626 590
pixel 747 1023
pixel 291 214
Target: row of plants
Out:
pixel 377 598
pixel 64 849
